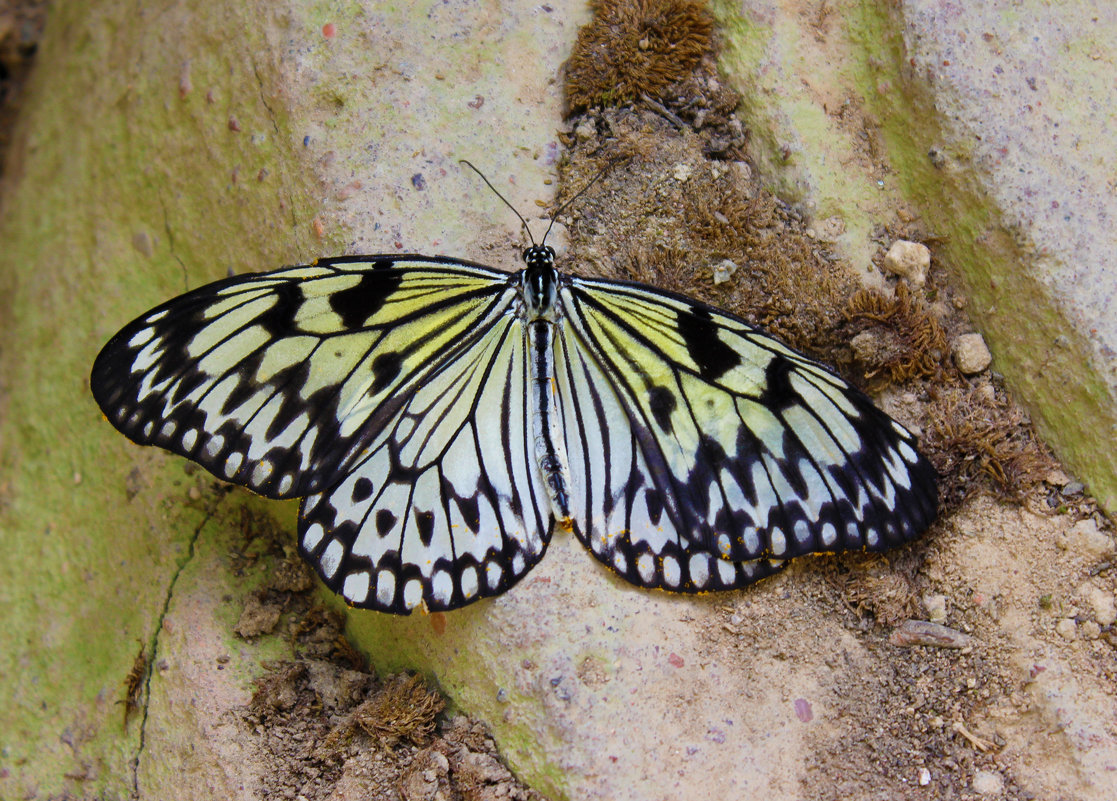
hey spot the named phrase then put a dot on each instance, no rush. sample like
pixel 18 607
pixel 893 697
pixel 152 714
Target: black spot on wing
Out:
pixel 662 403
pixel 279 320
pixel 778 393
pixel 385 368
pixel 471 512
pixel 384 522
pixel 359 302
pixel 424 523
pixel 655 505
pixel 362 490
pixel 713 357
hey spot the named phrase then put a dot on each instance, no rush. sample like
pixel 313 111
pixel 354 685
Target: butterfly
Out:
pixel 441 420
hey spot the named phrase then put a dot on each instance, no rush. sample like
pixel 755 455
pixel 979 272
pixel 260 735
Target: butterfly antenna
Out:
pixel 506 203
pixel 577 195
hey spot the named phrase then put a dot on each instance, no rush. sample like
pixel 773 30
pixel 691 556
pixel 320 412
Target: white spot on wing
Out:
pixel 645 566
pixel 620 562
pixel 779 542
pixel 671 571
pixel 356 587
pixel 214 446
pixel 492 575
pixel 232 464
pixel 262 472
pixel 469 581
pixel 312 536
pixel 412 593
pixel 442 587
pixel 331 558
pixel 141 337
pixel 699 569
pixel 385 587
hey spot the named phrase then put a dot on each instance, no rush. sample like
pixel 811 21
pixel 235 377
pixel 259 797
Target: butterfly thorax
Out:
pixel 539 283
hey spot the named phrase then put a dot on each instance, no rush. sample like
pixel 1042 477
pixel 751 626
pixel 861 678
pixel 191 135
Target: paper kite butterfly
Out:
pixel 441 420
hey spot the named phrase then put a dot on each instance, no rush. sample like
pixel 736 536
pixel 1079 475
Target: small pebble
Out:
pixel 1089 630
pixel 971 354
pixel 1088 540
pixel 921 632
pixel 986 782
pixel 585 131
pixel 1057 478
pixel 936 607
pixel 681 172
pixel 908 260
pixel 723 270
pixel 1066 628
pixel 1101 603
pixel 924 777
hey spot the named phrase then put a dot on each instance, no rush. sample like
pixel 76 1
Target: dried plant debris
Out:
pixel 896 336
pixel 404 708
pixel 635 48
pixel 977 437
pixel 329 732
pixel 134 684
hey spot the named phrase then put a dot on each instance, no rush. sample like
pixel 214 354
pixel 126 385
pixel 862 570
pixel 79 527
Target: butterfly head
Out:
pixel 539 257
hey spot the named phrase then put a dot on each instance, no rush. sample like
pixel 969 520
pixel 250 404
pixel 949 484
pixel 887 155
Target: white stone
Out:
pixel 986 782
pixel 971 353
pixel 909 260
pixel 1100 603
pixel 1088 540
pixel 936 607
pixel 1066 628
pixel 723 270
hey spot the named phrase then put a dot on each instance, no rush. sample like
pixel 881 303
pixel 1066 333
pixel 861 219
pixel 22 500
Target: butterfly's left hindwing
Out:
pixel 746 448
pixel 275 381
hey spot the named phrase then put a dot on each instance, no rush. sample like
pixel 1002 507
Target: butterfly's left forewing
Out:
pixel 275 381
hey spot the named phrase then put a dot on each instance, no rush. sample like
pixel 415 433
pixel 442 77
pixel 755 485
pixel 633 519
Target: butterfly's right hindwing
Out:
pixel 276 381
pixel 446 505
